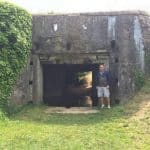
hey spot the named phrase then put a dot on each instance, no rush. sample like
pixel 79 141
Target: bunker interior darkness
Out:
pixel 69 85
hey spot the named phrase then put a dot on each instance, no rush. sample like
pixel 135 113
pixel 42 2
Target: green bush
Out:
pixel 139 79
pixel 15 45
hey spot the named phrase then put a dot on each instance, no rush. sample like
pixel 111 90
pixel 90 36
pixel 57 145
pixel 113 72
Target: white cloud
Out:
pixel 40 6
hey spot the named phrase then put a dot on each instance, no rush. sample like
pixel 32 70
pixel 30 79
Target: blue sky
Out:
pixel 67 6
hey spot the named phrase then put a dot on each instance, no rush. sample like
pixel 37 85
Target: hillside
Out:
pixel 122 127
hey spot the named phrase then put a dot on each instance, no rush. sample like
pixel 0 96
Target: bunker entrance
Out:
pixel 69 85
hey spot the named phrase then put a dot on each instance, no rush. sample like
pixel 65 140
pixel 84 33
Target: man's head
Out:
pixel 101 67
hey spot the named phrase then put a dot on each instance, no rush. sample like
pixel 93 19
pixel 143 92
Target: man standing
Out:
pixel 103 84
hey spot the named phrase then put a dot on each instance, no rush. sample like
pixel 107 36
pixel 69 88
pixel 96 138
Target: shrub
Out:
pixel 139 78
pixel 15 45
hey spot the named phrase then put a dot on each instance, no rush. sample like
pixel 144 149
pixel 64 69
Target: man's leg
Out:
pixel 100 93
pixel 101 101
pixel 108 101
pixel 107 96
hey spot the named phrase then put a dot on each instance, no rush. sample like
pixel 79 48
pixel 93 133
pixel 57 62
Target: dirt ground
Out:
pixel 71 110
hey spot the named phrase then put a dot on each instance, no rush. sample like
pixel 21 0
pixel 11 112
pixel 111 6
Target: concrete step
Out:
pixel 71 110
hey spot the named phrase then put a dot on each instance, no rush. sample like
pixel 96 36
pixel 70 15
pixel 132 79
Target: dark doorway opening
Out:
pixel 69 85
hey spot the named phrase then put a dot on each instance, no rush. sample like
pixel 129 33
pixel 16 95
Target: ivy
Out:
pixel 15 45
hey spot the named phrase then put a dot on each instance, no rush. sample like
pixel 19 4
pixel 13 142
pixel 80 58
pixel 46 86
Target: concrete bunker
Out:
pixel 76 43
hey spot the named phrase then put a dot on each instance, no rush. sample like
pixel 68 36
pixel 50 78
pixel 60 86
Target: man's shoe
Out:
pixel 109 107
pixel 102 106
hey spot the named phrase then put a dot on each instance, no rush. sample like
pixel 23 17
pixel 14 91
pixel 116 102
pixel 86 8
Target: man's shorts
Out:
pixel 103 91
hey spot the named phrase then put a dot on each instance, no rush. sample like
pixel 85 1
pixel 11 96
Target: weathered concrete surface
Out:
pixel 121 40
pixel 21 92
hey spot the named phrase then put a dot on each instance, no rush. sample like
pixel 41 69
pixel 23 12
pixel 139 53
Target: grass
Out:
pixel 122 127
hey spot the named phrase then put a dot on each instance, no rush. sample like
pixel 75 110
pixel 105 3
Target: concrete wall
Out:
pixel 123 36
